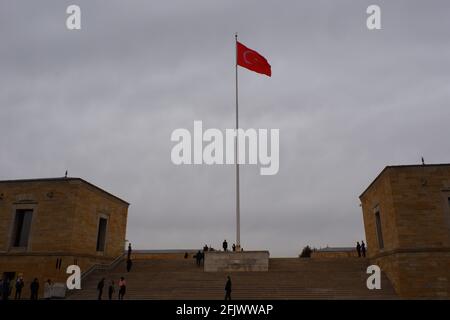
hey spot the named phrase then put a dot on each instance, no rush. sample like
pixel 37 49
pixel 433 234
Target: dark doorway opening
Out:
pixel 101 236
pixel 379 231
pixel 22 227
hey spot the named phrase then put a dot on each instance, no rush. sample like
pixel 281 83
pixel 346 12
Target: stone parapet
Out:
pixel 219 261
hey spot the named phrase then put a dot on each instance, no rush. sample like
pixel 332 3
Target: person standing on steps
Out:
pixel 198 258
pixel 111 290
pixel 19 286
pixel 34 288
pixel 363 249
pixel 225 245
pixel 129 265
pixel 129 251
pixel 228 289
pixel 122 288
pixel 358 249
pixel 100 287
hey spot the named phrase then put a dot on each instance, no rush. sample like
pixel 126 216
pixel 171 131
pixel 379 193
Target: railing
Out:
pixel 100 266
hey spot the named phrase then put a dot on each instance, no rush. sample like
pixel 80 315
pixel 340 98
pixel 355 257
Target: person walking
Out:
pixel 19 286
pixel 100 287
pixel 225 245
pixel 358 249
pixel 228 289
pixel 122 288
pixel 111 290
pixel 233 247
pixel 34 289
pixel 363 249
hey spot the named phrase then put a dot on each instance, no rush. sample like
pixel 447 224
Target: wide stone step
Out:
pixel 286 279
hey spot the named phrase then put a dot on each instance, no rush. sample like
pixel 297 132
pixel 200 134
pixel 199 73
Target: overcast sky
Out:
pixel 103 101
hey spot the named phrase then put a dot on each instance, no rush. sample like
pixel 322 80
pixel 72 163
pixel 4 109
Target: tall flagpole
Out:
pixel 238 211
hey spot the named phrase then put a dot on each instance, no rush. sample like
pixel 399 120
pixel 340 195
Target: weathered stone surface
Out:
pixel 220 261
pixel 413 202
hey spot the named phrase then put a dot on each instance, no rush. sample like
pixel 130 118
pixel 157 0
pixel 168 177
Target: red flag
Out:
pixel 252 60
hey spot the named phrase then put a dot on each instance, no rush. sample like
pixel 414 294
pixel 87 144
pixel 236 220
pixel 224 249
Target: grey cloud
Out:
pixel 102 102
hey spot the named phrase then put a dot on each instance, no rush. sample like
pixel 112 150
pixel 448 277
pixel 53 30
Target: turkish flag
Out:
pixel 252 60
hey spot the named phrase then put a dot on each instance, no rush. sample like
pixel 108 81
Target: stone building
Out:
pixel 406 212
pixel 49 224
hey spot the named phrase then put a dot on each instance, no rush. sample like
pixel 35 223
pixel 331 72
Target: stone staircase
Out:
pixel 287 278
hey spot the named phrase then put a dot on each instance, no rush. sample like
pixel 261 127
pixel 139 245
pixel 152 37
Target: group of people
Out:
pixel 206 248
pixel 6 288
pixel 200 255
pixel 225 246
pixel 361 249
pixel 112 288
pixel 122 282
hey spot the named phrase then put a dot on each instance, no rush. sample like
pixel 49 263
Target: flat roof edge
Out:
pixel 63 179
pixel 400 167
